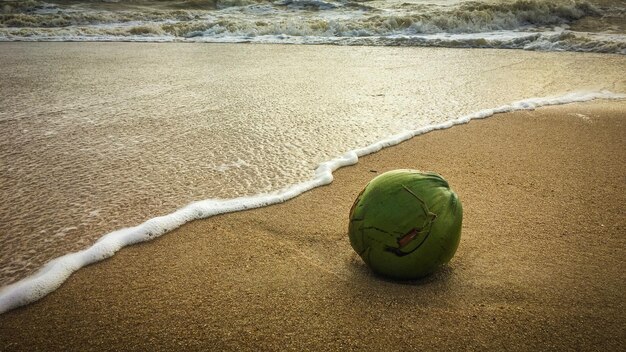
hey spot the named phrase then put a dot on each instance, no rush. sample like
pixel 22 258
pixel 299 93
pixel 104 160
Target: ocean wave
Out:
pixel 465 18
pixel 482 17
pixel 308 4
pixel 62 19
pixel 562 40
pixel 544 41
pixel 536 25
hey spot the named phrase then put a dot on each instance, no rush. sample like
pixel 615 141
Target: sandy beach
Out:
pixel 540 265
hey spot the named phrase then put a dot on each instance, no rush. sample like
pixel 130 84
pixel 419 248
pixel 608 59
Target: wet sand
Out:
pixel 540 265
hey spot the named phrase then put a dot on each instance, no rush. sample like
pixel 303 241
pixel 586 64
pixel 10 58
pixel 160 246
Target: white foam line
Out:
pixel 55 272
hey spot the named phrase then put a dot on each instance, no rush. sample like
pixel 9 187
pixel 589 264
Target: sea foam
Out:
pixel 521 24
pixel 55 272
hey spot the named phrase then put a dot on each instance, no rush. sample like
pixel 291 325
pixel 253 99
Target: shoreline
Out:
pixel 261 279
pixel 55 272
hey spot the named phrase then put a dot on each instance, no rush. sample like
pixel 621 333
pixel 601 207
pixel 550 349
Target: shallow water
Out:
pixel 99 136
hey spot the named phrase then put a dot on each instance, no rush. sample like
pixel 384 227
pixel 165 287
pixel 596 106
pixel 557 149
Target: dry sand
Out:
pixel 540 266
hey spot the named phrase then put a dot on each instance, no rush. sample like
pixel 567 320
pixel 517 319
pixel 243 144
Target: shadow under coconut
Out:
pixel 363 273
pixel 374 293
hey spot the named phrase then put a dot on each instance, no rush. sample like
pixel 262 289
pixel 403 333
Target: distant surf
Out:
pixel 582 26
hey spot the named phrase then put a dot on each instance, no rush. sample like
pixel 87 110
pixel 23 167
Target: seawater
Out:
pixel 554 25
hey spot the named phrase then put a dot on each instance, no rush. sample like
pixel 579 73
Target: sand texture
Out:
pixel 540 265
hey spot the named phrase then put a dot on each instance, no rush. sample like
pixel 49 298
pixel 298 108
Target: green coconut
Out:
pixel 405 223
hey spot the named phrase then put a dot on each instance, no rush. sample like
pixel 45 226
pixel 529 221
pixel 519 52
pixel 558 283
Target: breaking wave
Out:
pixel 521 24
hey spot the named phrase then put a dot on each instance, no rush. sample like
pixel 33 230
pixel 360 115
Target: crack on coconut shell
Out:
pixel 406 239
pixel 415 232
